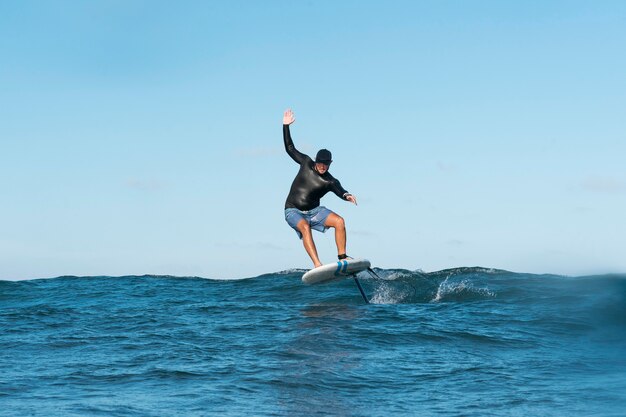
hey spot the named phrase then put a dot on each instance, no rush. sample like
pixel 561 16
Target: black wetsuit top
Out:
pixel 309 186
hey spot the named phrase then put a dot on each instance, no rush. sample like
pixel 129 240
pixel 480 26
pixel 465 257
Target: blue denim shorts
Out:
pixel 315 218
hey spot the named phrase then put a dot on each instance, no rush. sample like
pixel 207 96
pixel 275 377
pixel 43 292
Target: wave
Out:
pixel 391 286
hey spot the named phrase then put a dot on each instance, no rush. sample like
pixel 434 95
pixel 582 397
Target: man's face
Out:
pixel 321 168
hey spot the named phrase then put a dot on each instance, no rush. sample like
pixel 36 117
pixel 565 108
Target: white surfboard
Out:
pixel 335 271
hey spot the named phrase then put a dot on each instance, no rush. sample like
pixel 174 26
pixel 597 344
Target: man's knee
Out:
pixel 303 227
pixel 339 223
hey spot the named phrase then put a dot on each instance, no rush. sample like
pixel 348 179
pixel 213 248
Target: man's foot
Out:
pixel 343 256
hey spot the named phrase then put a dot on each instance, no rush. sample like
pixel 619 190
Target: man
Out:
pixel 302 208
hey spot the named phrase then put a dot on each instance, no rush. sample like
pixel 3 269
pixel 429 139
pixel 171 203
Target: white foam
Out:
pixel 389 294
pixel 447 288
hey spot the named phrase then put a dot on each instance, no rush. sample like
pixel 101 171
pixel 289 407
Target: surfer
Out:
pixel 302 208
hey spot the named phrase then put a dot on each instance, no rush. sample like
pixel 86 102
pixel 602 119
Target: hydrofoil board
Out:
pixel 335 271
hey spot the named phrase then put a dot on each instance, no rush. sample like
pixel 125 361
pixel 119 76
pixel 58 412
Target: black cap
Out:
pixel 324 157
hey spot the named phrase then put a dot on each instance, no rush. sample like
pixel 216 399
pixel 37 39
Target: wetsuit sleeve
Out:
pixel 336 188
pixel 295 154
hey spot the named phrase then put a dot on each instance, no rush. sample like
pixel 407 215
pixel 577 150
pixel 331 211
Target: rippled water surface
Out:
pixel 467 341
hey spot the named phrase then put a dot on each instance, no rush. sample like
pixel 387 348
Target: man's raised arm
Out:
pixel 289 118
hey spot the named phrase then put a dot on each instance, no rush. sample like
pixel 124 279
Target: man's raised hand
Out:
pixel 288 117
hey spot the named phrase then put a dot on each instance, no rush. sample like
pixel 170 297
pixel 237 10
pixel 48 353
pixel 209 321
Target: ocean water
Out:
pixel 459 342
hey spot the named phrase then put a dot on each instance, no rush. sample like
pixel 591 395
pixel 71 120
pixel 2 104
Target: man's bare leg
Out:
pixel 307 240
pixel 336 221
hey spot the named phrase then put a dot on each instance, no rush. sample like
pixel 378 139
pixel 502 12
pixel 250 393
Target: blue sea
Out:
pixel 458 342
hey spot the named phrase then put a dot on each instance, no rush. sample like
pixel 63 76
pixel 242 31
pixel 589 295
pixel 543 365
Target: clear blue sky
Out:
pixel 144 137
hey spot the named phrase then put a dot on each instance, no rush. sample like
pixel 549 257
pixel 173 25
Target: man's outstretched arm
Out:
pixel 296 155
pixel 341 192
